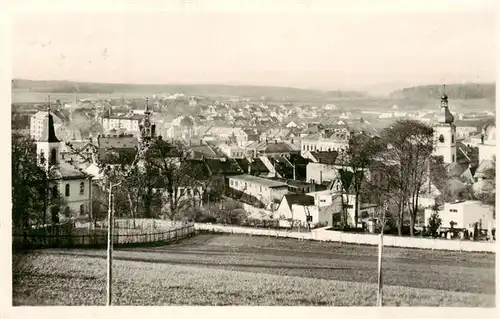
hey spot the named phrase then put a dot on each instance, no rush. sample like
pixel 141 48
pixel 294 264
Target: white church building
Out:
pixel 65 180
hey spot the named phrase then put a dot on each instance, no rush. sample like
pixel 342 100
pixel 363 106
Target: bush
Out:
pixel 434 223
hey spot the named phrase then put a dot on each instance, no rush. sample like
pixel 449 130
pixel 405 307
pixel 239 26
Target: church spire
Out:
pixel 48 131
pixel 446 117
pixel 444 98
pixel 146 107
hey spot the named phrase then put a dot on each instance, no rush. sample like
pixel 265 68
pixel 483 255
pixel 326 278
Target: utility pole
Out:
pixel 380 249
pixel 110 245
pixel 385 207
pixel 111 212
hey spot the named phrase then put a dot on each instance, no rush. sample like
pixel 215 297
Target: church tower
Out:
pixel 445 133
pixel 146 127
pixel 47 147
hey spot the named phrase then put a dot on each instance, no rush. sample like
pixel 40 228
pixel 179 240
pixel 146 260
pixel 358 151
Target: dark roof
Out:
pixel 48 133
pixel 456 169
pixel 256 166
pixel 299 199
pixel 327 157
pixel 200 151
pixel 279 147
pixel 223 167
pixel 66 170
pixel 116 141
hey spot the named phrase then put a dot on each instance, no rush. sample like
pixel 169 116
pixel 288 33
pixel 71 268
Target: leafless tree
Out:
pixel 410 143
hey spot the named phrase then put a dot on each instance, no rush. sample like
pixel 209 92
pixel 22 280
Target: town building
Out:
pixel 463 215
pixel 37 123
pixel 265 190
pixel 128 123
pixel 487 147
pixel 445 133
pixel 67 183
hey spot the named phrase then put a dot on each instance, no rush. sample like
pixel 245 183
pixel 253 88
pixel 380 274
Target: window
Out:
pixel 453 158
pixel 42 157
pixel 453 210
pixel 348 206
pixel 261 188
pixel 441 138
pixel 82 188
pixel 82 209
pixel 53 156
pixel 452 138
pixel 67 193
pixel 66 211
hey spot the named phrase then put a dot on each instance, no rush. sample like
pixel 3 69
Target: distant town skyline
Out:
pixel 327 51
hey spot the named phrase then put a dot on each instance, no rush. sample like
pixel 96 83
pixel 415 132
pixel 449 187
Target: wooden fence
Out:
pixel 87 237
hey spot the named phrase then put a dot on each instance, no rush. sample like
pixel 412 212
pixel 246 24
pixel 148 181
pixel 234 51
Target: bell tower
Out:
pixel 445 133
pixel 47 147
pixel 146 127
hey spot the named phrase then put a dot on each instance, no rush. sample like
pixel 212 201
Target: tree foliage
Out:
pixel 31 197
pixel 434 222
pixel 404 165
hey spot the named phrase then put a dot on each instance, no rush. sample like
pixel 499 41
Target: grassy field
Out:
pixel 240 270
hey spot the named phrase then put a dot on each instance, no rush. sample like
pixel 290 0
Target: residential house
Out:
pixel 463 215
pixel 300 208
pixel 292 125
pixel 264 190
pixel 487 148
pixel 325 141
pixel 232 150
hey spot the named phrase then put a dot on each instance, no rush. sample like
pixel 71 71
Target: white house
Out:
pixel 464 215
pixel 232 150
pixel 487 148
pixel 301 208
pixel 266 190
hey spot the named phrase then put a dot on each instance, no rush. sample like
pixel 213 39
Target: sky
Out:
pixel 335 49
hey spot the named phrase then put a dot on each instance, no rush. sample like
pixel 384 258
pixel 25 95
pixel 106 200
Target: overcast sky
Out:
pixel 304 49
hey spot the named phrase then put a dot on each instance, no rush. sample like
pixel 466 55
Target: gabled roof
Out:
pixel 223 167
pixel 114 141
pixel 66 170
pixel 279 147
pixel 327 157
pixel 483 166
pixel 456 169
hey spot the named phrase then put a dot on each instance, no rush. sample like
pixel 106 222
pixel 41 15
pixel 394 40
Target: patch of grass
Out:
pixel 51 279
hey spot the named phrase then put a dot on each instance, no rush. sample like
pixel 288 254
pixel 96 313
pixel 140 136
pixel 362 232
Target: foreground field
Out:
pixel 238 270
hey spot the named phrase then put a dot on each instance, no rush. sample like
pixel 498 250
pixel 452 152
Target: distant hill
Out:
pixel 188 89
pixel 465 91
